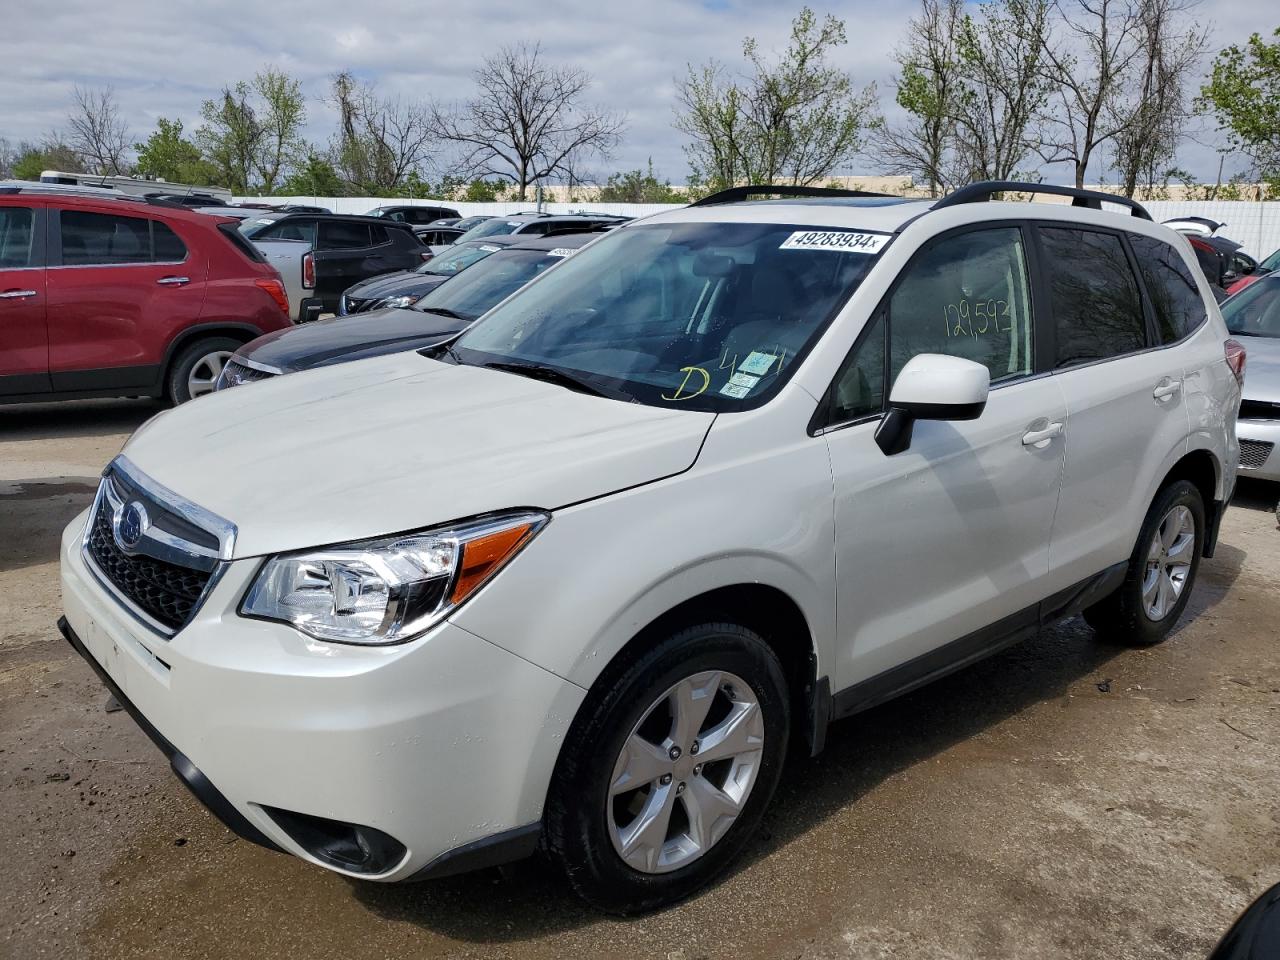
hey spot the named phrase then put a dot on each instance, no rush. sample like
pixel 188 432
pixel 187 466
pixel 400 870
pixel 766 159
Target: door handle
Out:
pixel 1167 388
pixel 17 294
pixel 1041 437
pixel 173 281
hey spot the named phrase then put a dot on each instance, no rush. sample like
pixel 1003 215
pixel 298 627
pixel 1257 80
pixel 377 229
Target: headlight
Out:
pixel 388 590
pixel 408 300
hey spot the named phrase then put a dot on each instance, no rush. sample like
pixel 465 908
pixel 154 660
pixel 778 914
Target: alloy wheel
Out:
pixel 1169 556
pixel 685 772
pixel 204 374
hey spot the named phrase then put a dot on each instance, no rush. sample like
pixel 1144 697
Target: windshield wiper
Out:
pixel 445 312
pixel 554 375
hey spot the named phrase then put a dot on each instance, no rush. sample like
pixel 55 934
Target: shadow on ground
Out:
pixel 74 418
pixel 861 752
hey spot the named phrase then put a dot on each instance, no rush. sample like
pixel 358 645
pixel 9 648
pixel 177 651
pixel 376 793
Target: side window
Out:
pixel 169 248
pixel 858 389
pixel 1170 287
pixel 16 231
pixel 343 235
pixel 1097 310
pixel 378 235
pixel 290 230
pixel 966 296
pixel 104 238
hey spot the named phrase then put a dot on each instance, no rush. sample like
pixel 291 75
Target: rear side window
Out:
pixel 343 235
pixel 1097 309
pixel 1170 287
pixel 108 238
pixel 378 234
pixel 17 227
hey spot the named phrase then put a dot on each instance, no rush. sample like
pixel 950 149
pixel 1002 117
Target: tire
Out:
pixel 1136 614
pixel 723 666
pixel 205 355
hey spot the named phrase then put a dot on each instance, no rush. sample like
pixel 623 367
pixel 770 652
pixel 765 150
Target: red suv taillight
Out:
pixel 1235 359
pixel 276 289
pixel 309 271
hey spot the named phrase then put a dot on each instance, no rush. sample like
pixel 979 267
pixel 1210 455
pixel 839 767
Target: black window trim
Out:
pixel 53 242
pixel 1036 288
pixel 1148 313
pixel 1159 344
pixel 39 236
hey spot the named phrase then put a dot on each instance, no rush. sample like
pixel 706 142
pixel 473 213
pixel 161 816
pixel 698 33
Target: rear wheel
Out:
pixel 669 767
pixel 1161 573
pixel 195 370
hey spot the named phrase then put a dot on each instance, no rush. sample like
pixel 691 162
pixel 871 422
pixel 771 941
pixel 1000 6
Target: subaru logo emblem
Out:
pixel 131 525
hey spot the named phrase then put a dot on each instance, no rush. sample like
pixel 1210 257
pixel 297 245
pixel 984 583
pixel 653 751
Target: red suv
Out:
pixel 107 296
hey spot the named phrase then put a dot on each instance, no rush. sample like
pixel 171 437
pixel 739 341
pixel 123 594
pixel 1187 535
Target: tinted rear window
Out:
pixel 1170 287
pixel 1096 305
pixel 16 231
pixel 108 238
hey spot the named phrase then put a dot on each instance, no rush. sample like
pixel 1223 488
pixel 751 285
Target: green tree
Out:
pixel 1243 92
pixel 251 131
pixel 52 154
pixel 638 186
pixel 314 177
pixel 791 121
pixel 167 155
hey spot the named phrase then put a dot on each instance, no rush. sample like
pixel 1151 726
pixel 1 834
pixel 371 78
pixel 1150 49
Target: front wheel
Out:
pixel 1161 572
pixel 669 767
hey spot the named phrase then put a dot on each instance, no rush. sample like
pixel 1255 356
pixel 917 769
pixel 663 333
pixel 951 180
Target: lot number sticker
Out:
pixel 838 240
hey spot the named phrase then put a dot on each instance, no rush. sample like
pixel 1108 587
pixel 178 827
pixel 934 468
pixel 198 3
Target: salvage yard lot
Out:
pixel 1063 799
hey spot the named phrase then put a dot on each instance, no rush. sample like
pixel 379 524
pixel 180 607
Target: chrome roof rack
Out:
pixel 738 194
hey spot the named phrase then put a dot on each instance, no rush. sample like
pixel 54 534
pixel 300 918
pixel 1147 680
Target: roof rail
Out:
pixel 737 194
pixel 76 190
pixel 1093 199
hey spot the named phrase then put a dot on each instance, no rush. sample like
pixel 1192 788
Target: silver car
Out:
pixel 1253 315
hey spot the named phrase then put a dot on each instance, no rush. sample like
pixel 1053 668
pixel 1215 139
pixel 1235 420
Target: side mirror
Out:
pixel 932 386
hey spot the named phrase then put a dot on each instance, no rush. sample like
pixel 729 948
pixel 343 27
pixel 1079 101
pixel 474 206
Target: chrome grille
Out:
pixel 1254 453
pixel 156 553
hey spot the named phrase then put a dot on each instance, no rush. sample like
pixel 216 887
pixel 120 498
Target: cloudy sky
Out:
pixel 164 56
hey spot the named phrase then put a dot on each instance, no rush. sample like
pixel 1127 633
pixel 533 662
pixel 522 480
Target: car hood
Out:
pixel 395 284
pixel 340 339
pixel 1261 368
pixel 400 443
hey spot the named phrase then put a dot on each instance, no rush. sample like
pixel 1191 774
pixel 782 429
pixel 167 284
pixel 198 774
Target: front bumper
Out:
pixel 445 744
pixel 1259 448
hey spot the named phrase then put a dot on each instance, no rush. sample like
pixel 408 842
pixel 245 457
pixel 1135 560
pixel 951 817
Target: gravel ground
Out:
pixel 1061 800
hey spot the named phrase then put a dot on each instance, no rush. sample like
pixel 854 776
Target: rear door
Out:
pixel 343 252
pixel 24 333
pixel 121 287
pixel 1125 398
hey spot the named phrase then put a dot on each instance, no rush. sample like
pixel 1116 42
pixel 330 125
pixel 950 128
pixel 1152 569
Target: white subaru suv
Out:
pixel 578 580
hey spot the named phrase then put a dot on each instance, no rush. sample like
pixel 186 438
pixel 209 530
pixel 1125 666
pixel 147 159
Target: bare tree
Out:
pixel 1151 107
pixel 1002 88
pixel 793 120
pixel 98 133
pixel 8 157
pixel 928 88
pixel 381 143
pixel 1101 46
pixel 529 121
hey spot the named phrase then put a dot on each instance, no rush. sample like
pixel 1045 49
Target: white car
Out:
pixel 579 579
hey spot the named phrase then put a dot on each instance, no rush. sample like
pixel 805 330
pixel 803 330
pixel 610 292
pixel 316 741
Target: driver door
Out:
pixel 944 547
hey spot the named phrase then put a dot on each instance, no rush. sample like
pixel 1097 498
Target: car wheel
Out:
pixel 668 767
pixel 1161 573
pixel 195 371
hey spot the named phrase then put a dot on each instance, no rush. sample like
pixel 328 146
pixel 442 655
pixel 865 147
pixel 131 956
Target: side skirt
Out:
pixel 976 646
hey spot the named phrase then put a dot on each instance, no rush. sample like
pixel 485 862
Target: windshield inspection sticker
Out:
pixel 744 380
pixel 735 390
pixel 835 240
pixel 757 363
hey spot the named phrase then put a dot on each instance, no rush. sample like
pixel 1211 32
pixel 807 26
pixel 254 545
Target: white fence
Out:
pixel 1256 225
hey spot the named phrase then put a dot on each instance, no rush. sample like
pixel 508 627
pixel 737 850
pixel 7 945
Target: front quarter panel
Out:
pixel 755 508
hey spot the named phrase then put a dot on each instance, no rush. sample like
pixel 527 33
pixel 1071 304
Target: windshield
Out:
pixel 1255 310
pixel 252 226
pixel 702 316
pixel 476 290
pixel 1272 262
pixel 494 227
pixel 457 258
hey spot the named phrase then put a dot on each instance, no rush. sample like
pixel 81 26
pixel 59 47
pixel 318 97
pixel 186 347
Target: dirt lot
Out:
pixel 1062 800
